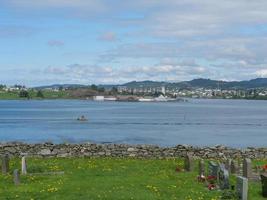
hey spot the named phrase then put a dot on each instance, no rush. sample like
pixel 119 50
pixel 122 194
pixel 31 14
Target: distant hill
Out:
pixel 135 84
pixel 195 83
pixel 204 83
pixel 254 83
pixel 57 86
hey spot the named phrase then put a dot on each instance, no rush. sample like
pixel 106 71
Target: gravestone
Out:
pixel 242 188
pixel 5 164
pixel 264 184
pixel 223 177
pixel 234 167
pixel 247 168
pixel 16 177
pixel 213 169
pixel 189 163
pixel 23 166
pixel 201 167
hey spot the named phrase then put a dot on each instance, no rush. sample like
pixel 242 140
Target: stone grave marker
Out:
pixel 16 177
pixel 213 169
pixel 23 166
pixel 5 164
pixel 242 188
pixel 264 184
pixel 234 167
pixel 201 167
pixel 223 177
pixel 247 168
pixel 189 163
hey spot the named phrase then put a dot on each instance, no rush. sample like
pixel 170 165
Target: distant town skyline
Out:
pixel 111 42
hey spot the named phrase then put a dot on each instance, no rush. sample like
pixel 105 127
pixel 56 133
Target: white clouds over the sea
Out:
pixel 225 39
pixel 106 74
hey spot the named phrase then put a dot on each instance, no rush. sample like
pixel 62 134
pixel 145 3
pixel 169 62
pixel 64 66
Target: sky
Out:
pixel 112 41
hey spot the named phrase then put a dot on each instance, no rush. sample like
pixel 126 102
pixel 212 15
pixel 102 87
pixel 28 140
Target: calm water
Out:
pixel 237 123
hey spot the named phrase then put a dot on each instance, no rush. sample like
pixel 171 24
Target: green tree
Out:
pixel 2 87
pixel 114 90
pixel 20 87
pixel 101 89
pixel 40 94
pixel 24 94
pixel 94 87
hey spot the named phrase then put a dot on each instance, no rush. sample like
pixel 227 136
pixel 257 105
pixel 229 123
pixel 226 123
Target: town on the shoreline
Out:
pixel 143 91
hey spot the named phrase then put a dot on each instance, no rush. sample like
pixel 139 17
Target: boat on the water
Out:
pixel 82 118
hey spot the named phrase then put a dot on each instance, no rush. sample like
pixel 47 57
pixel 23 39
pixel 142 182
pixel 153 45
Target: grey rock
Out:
pixel 45 152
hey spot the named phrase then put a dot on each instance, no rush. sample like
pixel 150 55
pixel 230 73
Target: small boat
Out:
pixel 82 118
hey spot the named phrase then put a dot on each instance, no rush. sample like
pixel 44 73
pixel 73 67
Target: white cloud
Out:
pixel 261 73
pixel 105 74
pixel 230 36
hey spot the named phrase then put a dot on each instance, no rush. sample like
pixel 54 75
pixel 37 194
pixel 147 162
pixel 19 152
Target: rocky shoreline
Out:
pixel 125 150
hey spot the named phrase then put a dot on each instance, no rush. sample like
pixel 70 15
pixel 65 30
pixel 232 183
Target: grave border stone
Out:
pixel 247 168
pixel 189 163
pixel 16 177
pixel 5 164
pixel 23 165
pixel 223 177
pixel 242 187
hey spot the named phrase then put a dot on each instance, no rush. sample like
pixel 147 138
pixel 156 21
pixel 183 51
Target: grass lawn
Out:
pixel 33 95
pixel 109 178
pixel 9 95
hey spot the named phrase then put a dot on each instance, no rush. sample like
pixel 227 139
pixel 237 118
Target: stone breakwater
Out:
pixel 125 150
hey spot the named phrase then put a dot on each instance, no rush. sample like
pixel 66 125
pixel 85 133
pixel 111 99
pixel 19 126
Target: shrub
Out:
pixel 229 195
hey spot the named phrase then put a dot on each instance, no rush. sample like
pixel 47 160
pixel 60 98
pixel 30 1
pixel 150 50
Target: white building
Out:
pixel 163 90
pixel 99 98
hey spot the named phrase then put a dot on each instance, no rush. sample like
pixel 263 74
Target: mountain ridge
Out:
pixel 195 83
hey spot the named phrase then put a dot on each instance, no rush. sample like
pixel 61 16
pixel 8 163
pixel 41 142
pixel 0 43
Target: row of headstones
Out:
pixel 221 171
pixel 231 166
pixel 16 174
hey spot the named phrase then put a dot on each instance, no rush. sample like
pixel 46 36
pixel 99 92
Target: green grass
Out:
pixel 109 178
pixel 14 95
pixel 9 95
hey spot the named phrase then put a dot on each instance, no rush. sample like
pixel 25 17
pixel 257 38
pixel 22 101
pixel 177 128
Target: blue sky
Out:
pixel 111 41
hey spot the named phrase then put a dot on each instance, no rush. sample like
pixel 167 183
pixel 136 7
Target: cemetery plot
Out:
pixel 110 178
pixel 218 178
